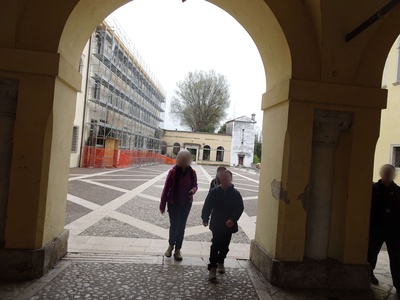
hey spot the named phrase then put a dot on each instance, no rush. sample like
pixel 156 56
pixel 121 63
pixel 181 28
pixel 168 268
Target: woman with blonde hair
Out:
pixel 180 186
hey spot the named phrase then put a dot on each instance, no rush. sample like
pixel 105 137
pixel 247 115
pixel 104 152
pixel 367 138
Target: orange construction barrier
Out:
pixel 99 158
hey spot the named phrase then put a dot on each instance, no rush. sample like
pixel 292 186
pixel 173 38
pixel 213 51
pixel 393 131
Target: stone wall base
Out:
pixel 328 274
pixel 17 264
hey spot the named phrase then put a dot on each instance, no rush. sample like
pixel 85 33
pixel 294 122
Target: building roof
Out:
pixel 244 119
pixel 196 132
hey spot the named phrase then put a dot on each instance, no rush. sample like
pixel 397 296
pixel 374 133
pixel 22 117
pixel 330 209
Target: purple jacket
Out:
pixel 169 194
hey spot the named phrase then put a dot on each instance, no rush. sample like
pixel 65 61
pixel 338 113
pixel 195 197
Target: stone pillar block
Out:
pixel 19 264
pixel 310 274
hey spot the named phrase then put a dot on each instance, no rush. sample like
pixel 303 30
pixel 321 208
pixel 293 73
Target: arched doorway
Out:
pixel 220 154
pixel 164 148
pixel 176 148
pixel 313 76
pixel 206 152
pixel 59 80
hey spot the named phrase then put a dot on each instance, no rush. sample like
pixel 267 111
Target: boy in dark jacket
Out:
pixel 225 205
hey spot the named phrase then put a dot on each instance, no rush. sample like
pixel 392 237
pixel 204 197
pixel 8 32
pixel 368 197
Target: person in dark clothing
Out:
pixel 385 224
pixel 179 188
pixel 225 205
pixel 215 182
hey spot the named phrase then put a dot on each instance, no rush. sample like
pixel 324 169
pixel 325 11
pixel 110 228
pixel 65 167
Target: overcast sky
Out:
pixel 174 38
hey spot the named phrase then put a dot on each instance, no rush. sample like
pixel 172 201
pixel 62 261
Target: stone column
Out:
pixel 8 106
pixel 327 126
pixel 34 235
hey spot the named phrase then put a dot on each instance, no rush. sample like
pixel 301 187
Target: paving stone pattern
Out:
pixel 250 207
pixel 94 193
pixel 75 211
pixel 121 205
pixel 94 280
pixel 148 211
pixel 109 227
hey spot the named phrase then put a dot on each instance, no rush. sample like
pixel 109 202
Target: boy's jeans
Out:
pixel 219 248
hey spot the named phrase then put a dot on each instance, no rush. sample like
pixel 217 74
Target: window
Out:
pixel 164 148
pixel 75 137
pixel 220 154
pixel 98 43
pixel 150 143
pixel 397 75
pixel 395 156
pixel 206 152
pixel 242 139
pixel 141 142
pixel 384 77
pixel 176 148
pixel 81 64
pixel 96 90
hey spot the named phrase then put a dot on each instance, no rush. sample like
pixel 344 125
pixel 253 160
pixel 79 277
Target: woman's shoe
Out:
pixel 178 255
pixel 168 253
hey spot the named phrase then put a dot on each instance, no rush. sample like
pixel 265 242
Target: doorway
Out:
pixel 193 152
pixel 241 160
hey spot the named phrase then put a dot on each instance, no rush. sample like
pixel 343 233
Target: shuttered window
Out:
pixel 75 137
pixel 396 156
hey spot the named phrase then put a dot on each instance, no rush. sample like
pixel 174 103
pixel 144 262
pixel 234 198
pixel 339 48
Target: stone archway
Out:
pixel 309 66
pixel 39 162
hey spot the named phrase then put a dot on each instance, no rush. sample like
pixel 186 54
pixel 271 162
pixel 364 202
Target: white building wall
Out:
pixel 243 134
pixel 79 109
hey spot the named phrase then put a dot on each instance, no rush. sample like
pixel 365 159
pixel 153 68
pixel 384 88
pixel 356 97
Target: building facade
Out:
pixel 206 148
pixel 388 146
pixel 235 148
pixel 120 110
pixel 243 132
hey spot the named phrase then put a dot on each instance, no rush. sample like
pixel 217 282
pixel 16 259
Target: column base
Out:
pixel 20 264
pixel 328 274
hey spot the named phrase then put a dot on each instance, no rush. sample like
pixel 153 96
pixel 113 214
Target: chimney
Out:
pixel 253 117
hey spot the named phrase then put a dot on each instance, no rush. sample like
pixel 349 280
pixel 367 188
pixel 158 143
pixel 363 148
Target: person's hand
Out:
pixel 162 211
pixel 191 192
pixel 229 223
pixel 205 224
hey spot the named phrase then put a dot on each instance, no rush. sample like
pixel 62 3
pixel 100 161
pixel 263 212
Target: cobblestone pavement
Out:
pixel 116 211
pixel 111 276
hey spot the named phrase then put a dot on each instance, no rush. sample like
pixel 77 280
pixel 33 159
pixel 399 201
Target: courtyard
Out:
pixel 116 211
pixel 118 237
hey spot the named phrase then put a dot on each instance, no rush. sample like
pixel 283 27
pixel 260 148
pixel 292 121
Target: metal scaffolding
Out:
pixel 125 104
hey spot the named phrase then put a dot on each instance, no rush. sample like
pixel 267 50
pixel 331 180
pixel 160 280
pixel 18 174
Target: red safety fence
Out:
pixel 93 157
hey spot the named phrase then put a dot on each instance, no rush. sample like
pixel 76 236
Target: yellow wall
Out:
pixel 390 122
pixel 185 138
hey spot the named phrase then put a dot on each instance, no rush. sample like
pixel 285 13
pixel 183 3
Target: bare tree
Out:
pixel 201 100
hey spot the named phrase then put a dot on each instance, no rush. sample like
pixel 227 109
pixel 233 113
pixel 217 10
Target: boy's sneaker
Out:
pixel 178 255
pixel 212 275
pixel 168 253
pixel 374 280
pixel 221 269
